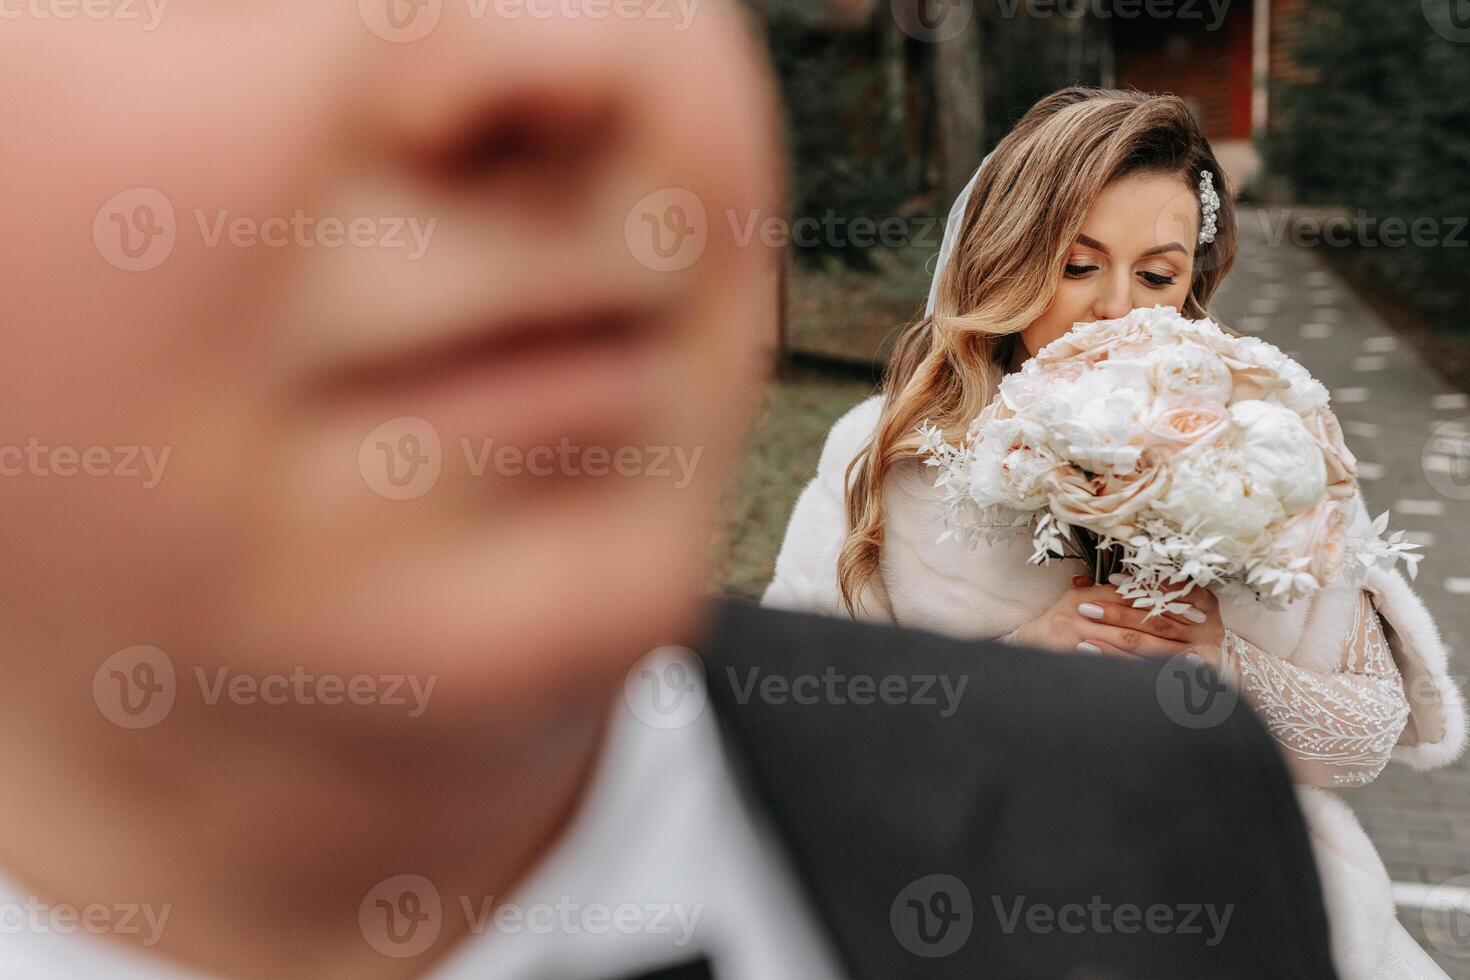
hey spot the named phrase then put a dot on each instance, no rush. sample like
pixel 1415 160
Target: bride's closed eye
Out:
pixel 1153 280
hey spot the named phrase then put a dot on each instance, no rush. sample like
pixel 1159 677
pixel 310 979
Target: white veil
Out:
pixel 951 232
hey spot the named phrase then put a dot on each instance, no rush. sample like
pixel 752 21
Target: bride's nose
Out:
pixel 1113 299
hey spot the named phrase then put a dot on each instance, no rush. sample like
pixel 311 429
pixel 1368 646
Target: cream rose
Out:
pixel 1107 503
pixel 1187 424
pixel 1342 465
pixel 1319 534
pixel 1095 341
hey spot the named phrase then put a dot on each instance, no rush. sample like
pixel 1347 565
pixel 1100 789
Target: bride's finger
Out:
pixel 1106 650
pixel 1131 640
pixel 1202 599
pixel 1130 618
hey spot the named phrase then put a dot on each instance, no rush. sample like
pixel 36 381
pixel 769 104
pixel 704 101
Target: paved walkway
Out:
pixel 1411 434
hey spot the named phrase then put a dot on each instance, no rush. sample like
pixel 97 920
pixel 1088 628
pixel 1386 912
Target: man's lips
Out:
pixel 539 378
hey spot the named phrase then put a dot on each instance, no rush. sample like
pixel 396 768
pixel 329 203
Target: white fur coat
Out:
pixel 989 591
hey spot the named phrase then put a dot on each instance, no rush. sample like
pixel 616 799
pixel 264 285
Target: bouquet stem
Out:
pixel 1103 560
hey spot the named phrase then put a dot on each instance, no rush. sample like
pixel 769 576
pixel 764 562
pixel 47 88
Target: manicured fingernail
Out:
pixel 1194 615
pixel 1117 578
pixel 1088 648
pixel 1092 610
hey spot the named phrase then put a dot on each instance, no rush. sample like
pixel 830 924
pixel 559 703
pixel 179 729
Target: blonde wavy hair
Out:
pixel 1023 216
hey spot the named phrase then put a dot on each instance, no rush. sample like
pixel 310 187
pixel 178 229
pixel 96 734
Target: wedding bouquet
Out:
pixel 1168 454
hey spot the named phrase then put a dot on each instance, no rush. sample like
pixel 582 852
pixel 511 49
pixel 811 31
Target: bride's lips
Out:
pixel 534 380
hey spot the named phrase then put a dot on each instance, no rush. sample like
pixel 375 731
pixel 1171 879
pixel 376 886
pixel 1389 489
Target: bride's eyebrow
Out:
pixel 1156 250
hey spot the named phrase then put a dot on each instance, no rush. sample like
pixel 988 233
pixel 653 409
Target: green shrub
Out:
pixel 1381 124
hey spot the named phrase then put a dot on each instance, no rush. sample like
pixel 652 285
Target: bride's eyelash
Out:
pixel 1151 278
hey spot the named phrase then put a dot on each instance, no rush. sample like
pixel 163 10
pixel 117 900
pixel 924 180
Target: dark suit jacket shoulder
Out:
pixel 971 809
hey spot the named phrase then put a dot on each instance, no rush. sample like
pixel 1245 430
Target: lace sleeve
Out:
pixel 1336 729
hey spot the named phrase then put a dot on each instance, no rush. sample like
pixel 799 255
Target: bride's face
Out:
pixel 243 240
pixel 1136 248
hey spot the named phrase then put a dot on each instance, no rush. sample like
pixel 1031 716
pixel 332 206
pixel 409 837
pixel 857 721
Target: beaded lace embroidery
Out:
pixel 1338 729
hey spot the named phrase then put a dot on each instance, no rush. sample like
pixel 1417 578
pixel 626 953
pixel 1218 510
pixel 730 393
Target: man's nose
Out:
pixel 480 106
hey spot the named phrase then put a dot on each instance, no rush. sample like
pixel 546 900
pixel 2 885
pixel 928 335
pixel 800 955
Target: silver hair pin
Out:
pixel 1209 203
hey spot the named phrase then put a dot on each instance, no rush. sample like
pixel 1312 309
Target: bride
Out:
pixel 1096 203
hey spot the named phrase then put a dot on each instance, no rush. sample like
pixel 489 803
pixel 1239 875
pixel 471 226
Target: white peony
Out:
pixel 1189 370
pixel 1306 394
pixel 1279 452
pixel 1009 458
pixel 1216 489
pixel 1097 421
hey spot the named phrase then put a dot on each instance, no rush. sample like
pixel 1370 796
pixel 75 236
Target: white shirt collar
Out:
pixel 665 861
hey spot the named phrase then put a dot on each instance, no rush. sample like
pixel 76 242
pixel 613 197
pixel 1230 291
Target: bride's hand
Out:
pixel 1095 619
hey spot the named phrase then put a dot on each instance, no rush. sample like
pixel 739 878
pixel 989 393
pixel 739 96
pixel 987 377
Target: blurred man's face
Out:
pixel 242 238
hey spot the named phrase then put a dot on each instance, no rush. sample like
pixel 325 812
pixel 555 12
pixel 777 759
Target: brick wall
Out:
pixel 1206 65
